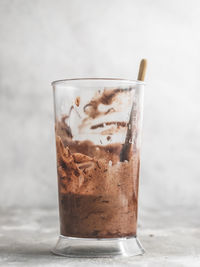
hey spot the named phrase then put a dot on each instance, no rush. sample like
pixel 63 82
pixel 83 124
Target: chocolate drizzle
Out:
pixel 65 127
pixel 91 109
pixel 107 97
pixel 101 125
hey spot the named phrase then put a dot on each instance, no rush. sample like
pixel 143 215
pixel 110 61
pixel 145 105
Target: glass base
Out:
pixel 93 247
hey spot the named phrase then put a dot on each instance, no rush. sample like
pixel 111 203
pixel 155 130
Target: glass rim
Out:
pixel 57 82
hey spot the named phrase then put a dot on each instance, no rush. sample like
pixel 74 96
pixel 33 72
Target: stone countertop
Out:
pixel 170 237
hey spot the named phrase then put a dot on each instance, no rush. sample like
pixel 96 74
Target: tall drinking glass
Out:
pixel 98 129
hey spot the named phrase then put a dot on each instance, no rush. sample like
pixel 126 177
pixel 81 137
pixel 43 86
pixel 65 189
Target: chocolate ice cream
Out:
pixel 98 183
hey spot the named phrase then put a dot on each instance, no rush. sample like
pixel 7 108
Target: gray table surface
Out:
pixel 171 237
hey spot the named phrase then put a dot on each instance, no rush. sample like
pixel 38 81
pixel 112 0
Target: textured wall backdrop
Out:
pixel 44 40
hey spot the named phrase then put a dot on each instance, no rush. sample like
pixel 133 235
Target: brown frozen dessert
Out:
pixel 98 184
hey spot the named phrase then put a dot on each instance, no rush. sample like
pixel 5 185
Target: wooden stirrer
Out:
pixel 126 149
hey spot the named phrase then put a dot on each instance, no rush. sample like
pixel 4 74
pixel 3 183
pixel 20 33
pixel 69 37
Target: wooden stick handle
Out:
pixel 142 70
pixel 127 146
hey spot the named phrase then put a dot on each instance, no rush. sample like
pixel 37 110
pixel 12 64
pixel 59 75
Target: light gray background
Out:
pixel 43 40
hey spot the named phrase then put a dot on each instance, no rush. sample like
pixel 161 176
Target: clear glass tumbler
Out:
pixel 98 129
